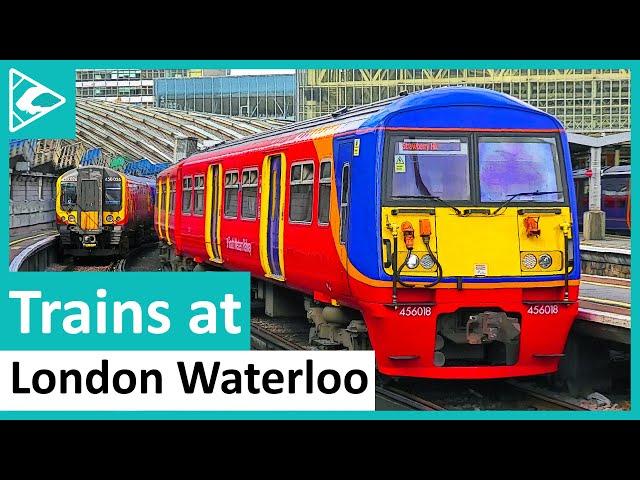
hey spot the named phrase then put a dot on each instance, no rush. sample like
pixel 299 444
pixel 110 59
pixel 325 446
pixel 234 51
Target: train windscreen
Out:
pixel 112 194
pixel 513 165
pixel 425 166
pixel 68 194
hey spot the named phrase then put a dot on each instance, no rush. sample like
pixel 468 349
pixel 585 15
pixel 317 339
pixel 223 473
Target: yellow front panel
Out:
pixel 89 221
pixel 480 245
pixel 471 245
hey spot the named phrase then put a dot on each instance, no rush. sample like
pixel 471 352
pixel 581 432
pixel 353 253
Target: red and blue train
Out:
pixel 615 184
pixel 438 227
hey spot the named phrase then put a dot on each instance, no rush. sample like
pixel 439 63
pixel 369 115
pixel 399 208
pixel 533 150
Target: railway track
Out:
pixel 528 397
pixel 89 264
pixel 263 339
pixel 543 398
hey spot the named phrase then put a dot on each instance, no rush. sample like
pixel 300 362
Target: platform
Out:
pixel 609 257
pixel 605 308
pixel 26 237
pixel 25 247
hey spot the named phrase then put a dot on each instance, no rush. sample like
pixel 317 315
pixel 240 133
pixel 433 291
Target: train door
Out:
pixel 89 199
pixel 159 189
pixel 629 206
pixel 166 194
pixel 272 216
pixel 212 235
pixel 343 187
pixel 615 194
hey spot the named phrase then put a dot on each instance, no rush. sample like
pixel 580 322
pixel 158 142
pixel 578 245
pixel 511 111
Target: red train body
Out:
pixel 246 206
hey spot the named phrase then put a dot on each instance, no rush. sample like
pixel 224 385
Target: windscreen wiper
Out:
pixel 432 197
pixel 435 197
pixel 537 193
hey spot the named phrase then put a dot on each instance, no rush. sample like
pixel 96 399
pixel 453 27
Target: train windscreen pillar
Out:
pixel 594 218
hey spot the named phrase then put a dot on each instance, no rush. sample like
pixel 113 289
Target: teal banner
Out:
pixel 126 311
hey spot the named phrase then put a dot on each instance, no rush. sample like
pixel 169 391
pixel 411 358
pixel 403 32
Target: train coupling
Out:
pixel 89 241
pixel 490 327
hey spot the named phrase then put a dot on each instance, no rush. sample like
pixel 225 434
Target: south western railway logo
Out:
pixel 240 245
pixel 29 100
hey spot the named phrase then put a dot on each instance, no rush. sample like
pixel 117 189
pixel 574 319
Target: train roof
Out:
pixel 618 170
pixel 606 171
pixel 384 113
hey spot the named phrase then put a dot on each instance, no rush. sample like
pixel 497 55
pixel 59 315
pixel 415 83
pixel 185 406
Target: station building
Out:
pixel 591 102
pixel 261 96
pixel 587 101
pixel 133 86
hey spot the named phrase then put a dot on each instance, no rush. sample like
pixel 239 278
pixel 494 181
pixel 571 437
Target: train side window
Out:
pixel 198 197
pixel 172 196
pixel 249 194
pixel 231 194
pixel 324 192
pixel 187 194
pixel 615 185
pixel 344 204
pixel 301 193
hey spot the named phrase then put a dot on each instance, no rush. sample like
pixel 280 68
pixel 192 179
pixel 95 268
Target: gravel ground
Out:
pixel 145 261
pixel 295 330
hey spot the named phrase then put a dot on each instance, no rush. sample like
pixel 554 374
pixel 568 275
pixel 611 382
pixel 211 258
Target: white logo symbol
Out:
pixel 23 111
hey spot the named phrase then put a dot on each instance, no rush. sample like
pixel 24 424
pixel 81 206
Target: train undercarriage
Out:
pixel 466 337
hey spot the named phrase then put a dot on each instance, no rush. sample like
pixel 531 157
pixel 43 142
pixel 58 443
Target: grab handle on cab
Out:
pixel 387 248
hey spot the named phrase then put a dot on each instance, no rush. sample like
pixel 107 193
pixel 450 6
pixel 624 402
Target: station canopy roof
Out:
pixel 135 132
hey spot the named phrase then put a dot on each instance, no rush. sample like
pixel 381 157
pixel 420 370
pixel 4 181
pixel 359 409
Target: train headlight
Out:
pixel 72 218
pixel 413 261
pixel 529 261
pixel 427 262
pixel 117 219
pixel 545 261
pixel 109 218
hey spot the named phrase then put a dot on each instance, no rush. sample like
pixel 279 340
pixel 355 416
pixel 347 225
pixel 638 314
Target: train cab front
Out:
pixel 477 243
pixel 89 211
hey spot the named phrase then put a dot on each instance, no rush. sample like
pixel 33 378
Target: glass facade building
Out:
pixel 122 85
pixel 586 101
pixel 263 96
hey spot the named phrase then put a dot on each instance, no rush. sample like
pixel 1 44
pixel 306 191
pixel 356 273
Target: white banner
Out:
pixel 187 380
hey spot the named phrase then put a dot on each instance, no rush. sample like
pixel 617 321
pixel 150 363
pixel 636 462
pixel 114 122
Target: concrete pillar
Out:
pixel 616 159
pixel 595 193
pixel 594 219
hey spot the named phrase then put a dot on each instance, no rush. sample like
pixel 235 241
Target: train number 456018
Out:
pixel 415 312
pixel 543 309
